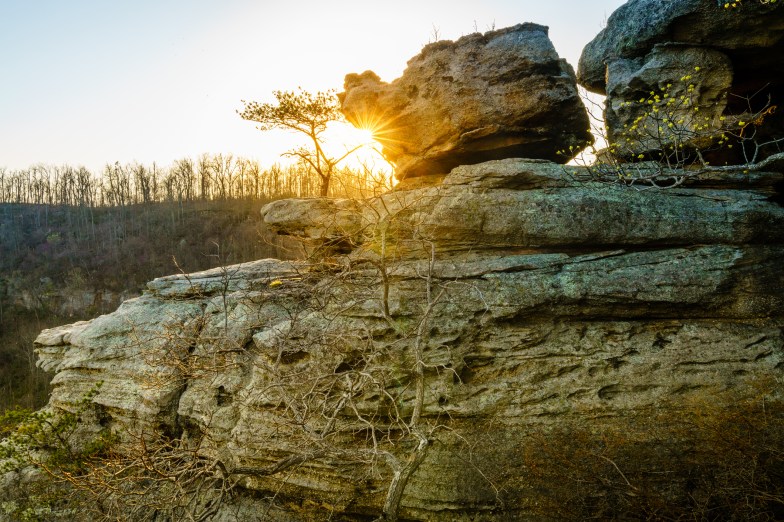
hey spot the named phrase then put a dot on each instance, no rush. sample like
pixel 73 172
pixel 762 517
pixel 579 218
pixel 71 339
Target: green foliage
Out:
pixel 11 419
pixel 667 122
pixel 735 4
pixel 302 111
pixel 48 449
pixel 306 113
pixel 30 509
pixel 670 138
pixel 44 438
pixel 670 127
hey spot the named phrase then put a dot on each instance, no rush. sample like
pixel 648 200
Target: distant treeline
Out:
pixel 123 226
pixel 74 242
pixel 218 177
pixel 72 237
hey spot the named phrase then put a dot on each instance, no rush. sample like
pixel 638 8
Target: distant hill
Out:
pixel 63 263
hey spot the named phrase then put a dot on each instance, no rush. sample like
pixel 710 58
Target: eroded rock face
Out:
pixel 486 96
pixel 529 204
pixel 725 61
pixel 553 303
pixel 750 36
pixel 130 350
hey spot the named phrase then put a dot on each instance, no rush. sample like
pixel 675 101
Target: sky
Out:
pixel 91 82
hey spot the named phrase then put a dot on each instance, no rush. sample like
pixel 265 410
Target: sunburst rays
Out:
pixel 384 130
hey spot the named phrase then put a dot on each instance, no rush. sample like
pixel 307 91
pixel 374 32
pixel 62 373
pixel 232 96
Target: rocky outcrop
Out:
pixel 486 96
pixel 636 27
pixel 128 349
pixel 532 301
pixel 515 203
pixel 720 62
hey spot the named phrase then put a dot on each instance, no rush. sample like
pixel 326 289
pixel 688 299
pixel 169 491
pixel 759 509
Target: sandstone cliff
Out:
pixel 457 331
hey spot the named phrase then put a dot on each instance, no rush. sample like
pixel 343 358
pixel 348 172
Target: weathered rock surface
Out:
pixel 486 96
pixel 554 302
pixel 524 204
pixel 750 36
pixel 726 62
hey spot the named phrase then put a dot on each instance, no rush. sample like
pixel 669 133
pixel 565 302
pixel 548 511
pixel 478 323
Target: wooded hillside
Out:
pixel 73 244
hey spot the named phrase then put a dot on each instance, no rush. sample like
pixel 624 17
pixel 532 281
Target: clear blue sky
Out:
pixel 86 82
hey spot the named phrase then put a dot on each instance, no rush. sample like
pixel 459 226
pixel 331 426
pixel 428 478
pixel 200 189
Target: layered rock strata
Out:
pixel 531 300
pixel 501 94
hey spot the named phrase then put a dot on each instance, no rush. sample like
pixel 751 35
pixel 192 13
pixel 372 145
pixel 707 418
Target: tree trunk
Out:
pixel 324 192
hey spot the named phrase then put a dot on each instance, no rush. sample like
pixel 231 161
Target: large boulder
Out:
pixel 496 95
pixel 636 27
pixel 720 64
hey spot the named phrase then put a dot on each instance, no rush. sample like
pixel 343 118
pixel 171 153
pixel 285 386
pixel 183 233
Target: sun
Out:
pixel 360 144
pixel 365 135
pixel 342 136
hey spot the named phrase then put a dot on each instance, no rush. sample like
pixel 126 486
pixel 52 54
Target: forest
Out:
pixel 74 243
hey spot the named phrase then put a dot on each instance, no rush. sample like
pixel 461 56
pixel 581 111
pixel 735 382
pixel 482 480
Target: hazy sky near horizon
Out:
pixel 90 82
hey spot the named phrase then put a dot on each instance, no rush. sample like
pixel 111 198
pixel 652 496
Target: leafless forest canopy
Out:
pixel 66 231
